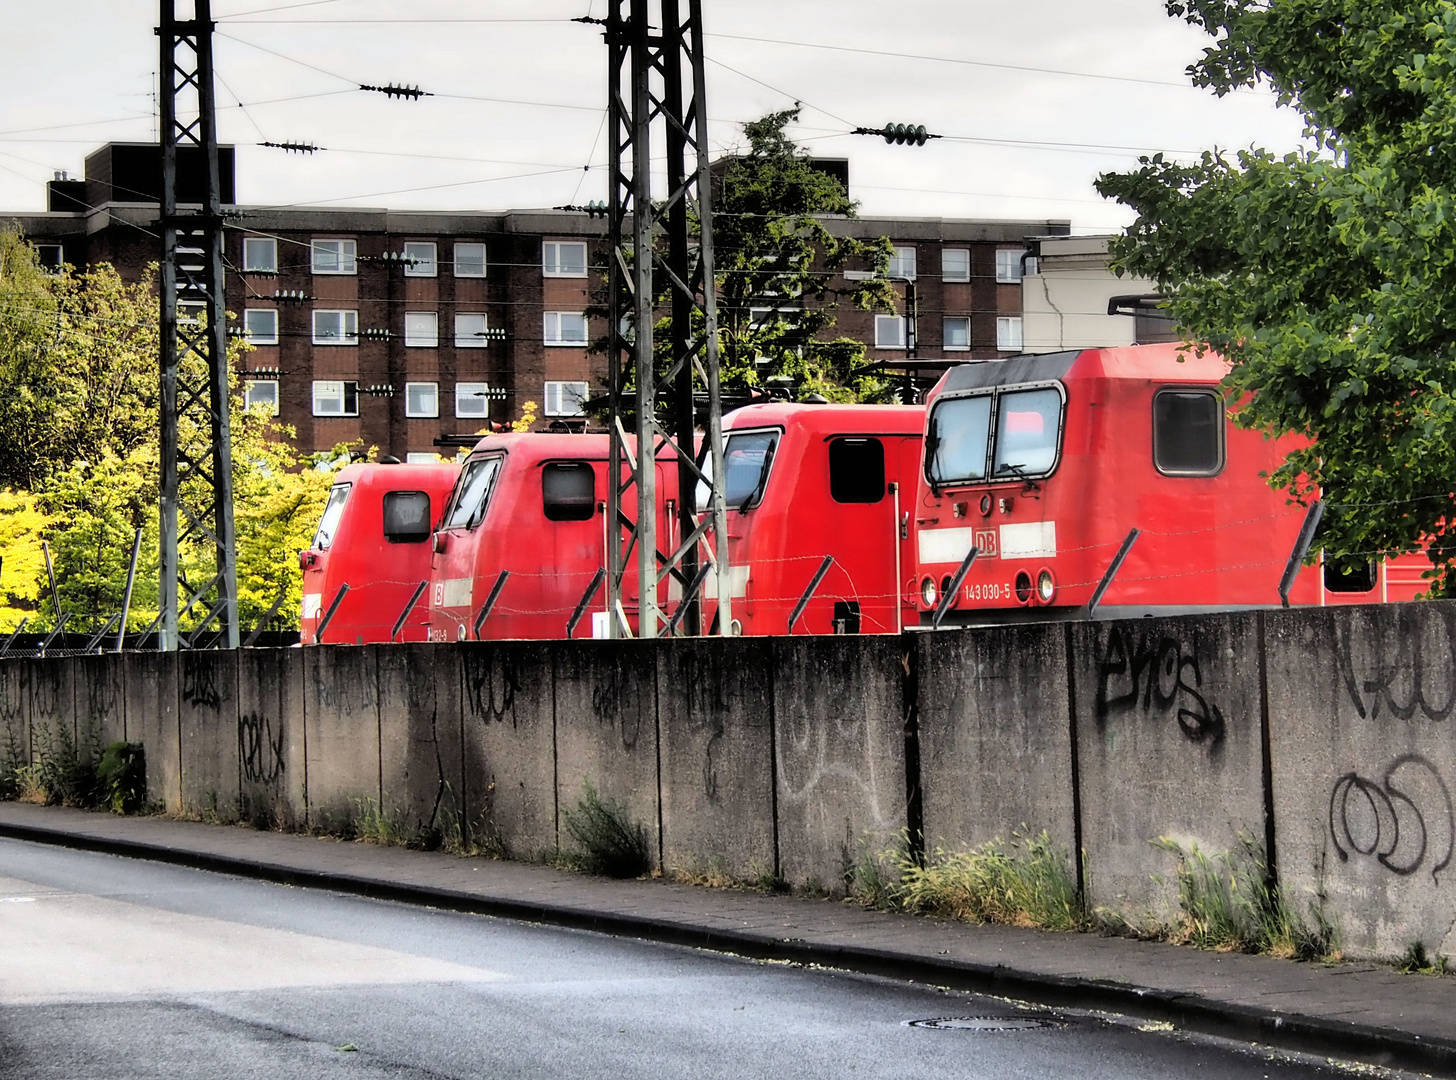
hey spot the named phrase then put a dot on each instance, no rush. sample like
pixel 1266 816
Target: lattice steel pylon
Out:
pixel 197 475
pixel 656 85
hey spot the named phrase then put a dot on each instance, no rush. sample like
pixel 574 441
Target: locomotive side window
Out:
pixel 856 470
pixel 1349 575
pixel 960 436
pixel 1028 423
pixel 568 491
pixel 747 459
pixel 406 517
pixel 1188 432
pixel 467 504
pixel 333 511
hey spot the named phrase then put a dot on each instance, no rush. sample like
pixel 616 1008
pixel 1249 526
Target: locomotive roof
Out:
pixel 826 419
pixel 1169 362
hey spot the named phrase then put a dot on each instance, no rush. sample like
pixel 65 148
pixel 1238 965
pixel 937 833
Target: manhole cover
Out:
pixel 986 1023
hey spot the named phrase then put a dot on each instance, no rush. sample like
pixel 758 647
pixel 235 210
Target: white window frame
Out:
pixel 414 249
pixel 60 257
pixel 348 326
pixel 423 457
pixel 945 335
pixel 472 394
pixel 484 261
pixel 327 386
pixel 255 265
pixel 346 257
pixel 883 322
pixel 260 339
pixel 551 258
pixel 471 339
pixel 422 329
pixel 946 273
pixel 759 317
pixel 898 260
pixel 430 411
pixel 1009 336
pixel 551 330
pixel 250 388
pixel 556 395
pixel 1008 265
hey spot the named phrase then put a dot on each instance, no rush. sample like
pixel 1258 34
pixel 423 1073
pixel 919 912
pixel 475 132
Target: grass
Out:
pixel 605 840
pixel 1416 961
pixel 62 775
pixel 1228 902
pixel 1027 881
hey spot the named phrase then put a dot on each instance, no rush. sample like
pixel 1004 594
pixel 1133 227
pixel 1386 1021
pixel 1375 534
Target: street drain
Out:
pixel 986 1023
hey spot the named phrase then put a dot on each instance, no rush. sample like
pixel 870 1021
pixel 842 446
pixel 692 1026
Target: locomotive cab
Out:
pixel 373 536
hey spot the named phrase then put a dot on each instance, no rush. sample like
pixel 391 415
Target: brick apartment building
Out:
pixel 413 330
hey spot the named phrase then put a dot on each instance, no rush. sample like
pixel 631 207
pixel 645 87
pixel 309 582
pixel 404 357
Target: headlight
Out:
pixel 927 592
pixel 1046 588
pixel 1023 587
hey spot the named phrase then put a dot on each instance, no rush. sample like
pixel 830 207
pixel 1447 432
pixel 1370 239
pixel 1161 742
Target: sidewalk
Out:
pixel 1359 1012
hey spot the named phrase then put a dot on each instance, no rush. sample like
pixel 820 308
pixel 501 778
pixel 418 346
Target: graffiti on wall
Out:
pixel 260 749
pixel 1406 675
pixel 1404 820
pixel 491 685
pixel 199 682
pixel 1147 672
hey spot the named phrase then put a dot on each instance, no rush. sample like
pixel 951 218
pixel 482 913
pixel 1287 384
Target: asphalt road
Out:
pixel 116 968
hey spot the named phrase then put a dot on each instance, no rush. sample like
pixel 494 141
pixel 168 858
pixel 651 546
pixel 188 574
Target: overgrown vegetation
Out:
pixel 1027 881
pixel 1228 902
pixel 1416 961
pixel 605 840
pixel 64 774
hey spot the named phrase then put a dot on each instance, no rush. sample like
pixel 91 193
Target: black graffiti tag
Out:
pixel 259 750
pixel 1402 680
pixel 491 684
pixel 199 682
pixel 1157 672
pixel 1383 818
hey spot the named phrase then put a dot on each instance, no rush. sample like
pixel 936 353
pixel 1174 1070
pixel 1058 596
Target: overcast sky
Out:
pixel 521 91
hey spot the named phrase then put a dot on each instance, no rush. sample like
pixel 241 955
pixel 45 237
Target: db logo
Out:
pixel 986 543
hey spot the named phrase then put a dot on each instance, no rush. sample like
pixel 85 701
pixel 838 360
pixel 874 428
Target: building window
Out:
pixel 472 399
pixel 334 256
pixel 470 330
pixel 334 398
pixel 421 329
pixel 902 263
pixel 260 255
pixel 470 260
pixel 956 332
pixel 336 328
pixel 50 256
pixel 566 398
pixel 260 326
pixel 565 328
pixel 760 317
pixel 561 258
pixel 955 264
pixel 1008 265
pixel 889 331
pixel 423 458
pixel 421 399
pixel 419 259
pixel 262 393
pixel 1008 334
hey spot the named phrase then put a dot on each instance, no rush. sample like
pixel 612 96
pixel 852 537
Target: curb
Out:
pixel 1315 1035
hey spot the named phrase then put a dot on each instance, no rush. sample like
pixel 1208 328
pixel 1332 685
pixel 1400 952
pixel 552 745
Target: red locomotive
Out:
pixel 1045 463
pixel 821 492
pixel 374 537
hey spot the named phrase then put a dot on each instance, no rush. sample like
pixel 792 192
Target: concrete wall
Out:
pixel 1325 736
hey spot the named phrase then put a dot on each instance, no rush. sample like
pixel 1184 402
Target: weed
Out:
pixel 29 787
pixel 1026 882
pixel 12 760
pixel 606 841
pixel 1416 961
pixel 121 777
pixel 374 824
pixel 69 779
pixel 1229 902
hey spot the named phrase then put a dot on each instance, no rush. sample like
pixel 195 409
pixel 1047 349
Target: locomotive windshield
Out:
pixel 329 523
pixel 467 505
pixel 1027 424
pixel 747 458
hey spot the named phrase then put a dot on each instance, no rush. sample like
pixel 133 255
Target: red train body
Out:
pixel 809 481
pixel 374 536
pixel 1044 463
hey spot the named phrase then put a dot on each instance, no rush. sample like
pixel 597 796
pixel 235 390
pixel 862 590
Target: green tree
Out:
pixel 1327 276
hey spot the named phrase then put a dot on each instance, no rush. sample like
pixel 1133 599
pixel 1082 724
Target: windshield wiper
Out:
pixel 757 492
pixel 1011 467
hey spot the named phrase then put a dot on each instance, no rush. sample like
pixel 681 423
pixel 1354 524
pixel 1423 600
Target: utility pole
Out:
pixel 197 474
pixel 656 85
